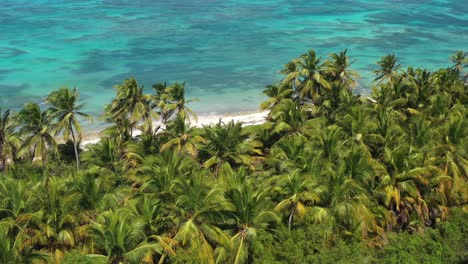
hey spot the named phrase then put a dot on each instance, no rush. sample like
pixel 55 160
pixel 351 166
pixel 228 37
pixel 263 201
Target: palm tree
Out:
pixel 329 141
pixel 64 108
pixel 94 190
pixel 176 97
pixel 289 117
pixel 276 94
pixel 130 107
pixel 388 69
pixel 198 208
pixel 248 212
pixel 9 142
pixel 117 239
pixel 308 77
pixel 460 61
pixel 158 173
pixel 290 153
pixel 150 212
pixel 36 127
pixel 338 68
pixel 294 191
pixel 228 143
pixel 181 137
pixel 343 205
pixel 13 252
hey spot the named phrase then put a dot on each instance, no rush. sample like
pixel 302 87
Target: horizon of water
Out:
pixel 225 50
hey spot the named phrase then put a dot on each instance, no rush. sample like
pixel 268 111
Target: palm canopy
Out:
pixel 228 143
pixel 276 93
pixel 171 101
pixel 118 239
pixel 249 211
pixel 36 127
pixel 9 142
pixel 181 137
pixel 293 188
pixel 388 69
pixel 460 61
pixel 64 108
pixel 338 66
pixel 306 74
pixel 130 107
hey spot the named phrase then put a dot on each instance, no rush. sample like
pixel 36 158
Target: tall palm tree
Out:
pixel 460 61
pixel 276 94
pixel 308 76
pixel 131 106
pixel 294 191
pixel 388 69
pixel 9 142
pixel 339 69
pixel 175 95
pixel 64 108
pixel 228 143
pixel 181 137
pixel 36 127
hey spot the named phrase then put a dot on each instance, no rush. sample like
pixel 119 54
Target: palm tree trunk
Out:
pixel 75 146
pixel 2 168
pixel 291 216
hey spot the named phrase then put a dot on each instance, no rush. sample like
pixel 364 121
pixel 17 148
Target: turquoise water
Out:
pixel 226 50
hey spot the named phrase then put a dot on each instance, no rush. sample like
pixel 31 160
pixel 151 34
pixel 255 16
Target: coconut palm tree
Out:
pixel 64 108
pixel 276 93
pixel 9 142
pixel 290 153
pixel 56 226
pixel 158 173
pixel 175 96
pixel 228 143
pixel 36 127
pixel 94 190
pixel 344 205
pixel 118 238
pixel 198 208
pixel 289 117
pixel 13 252
pixel 460 61
pixel 388 69
pixel 130 107
pixel 293 189
pixel 181 137
pixel 308 76
pixel 338 67
pixel 249 211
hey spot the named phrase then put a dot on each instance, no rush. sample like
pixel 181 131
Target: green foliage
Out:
pixel 76 257
pixel 331 177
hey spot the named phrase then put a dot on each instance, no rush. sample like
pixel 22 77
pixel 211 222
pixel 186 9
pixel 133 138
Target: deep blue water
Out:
pixel 226 50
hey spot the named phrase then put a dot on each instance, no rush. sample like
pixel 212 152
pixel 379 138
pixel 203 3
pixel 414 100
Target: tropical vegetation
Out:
pixel 330 177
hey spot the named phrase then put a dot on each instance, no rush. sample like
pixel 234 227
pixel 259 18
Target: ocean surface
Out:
pixel 225 50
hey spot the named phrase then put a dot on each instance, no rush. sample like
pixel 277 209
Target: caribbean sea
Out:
pixel 225 50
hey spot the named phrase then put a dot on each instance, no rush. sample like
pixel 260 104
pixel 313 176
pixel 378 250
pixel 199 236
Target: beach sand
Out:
pixel 247 118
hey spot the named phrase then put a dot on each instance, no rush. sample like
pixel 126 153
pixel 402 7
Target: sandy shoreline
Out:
pixel 247 118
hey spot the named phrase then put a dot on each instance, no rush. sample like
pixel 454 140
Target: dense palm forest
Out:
pixel 331 177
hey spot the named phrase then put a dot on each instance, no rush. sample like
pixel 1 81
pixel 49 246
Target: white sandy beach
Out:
pixel 248 119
